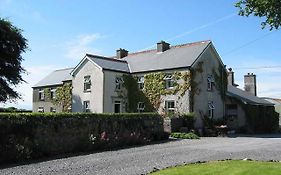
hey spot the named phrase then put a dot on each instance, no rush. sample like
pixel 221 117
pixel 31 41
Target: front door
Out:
pixel 117 107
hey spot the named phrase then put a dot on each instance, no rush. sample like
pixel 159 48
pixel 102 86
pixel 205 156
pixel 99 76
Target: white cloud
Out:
pixel 35 74
pixel 77 48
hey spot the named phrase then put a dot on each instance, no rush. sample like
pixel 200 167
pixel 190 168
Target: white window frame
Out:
pixel 118 83
pixel 210 82
pixel 168 105
pixel 169 81
pixel 141 82
pixel 53 91
pixel 86 106
pixel 87 83
pixel 52 109
pixel 40 109
pixel 140 107
pixel 42 96
pixel 211 109
pixel 120 105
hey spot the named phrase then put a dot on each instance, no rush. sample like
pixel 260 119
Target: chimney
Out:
pixel 162 46
pixel 250 83
pixel 121 53
pixel 230 77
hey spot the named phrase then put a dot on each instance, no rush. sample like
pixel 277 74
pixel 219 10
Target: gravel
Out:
pixel 144 159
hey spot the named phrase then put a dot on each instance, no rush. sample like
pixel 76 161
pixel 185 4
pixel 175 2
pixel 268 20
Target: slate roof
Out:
pixel 176 57
pixel 55 78
pixel 246 96
pixel 109 63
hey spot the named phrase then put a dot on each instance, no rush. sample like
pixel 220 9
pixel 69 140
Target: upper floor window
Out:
pixel 169 81
pixel 211 109
pixel 87 83
pixel 170 106
pixel 141 82
pixel 140 107
pixel 210 81
pixel 41 94
pixel 53 93
pixel 86 106
pixel 118 83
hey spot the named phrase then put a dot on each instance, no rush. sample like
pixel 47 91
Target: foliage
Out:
pixel 229 167
pixel 221 80
pixel 33 135
pixel 269 9
pixel 63 96
pixel 189 119
pixel 12 45
pixel 180 135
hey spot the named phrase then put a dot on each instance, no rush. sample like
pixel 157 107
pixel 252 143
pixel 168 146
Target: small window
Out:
pixel 117 106
pixel 87 83
pixel 52 109
pixel 141 82
pixel 170 83
pixel 170 106
pixel 211 109
pixel 41 94
pixel 118 83
pixel 210 81
pixel 86 106
pixel 140 107
pixel 40 109
pixel 53 93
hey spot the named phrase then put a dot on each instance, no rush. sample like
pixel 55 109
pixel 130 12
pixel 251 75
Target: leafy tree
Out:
pixel 270 9
pixel 12 45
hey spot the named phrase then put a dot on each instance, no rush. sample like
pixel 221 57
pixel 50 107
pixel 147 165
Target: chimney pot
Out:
pixel 121 53
pixel 162 46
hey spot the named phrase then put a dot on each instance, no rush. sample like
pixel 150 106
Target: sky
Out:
pixel 61 32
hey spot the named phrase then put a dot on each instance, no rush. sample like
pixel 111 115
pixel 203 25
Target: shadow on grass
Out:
pixel 69 155
pixel 273 135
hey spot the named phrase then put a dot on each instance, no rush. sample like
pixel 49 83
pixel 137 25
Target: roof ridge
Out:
pixel 106 58
pixel 63 69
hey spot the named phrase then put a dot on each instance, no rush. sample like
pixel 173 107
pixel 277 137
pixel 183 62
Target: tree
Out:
pixel 12 45
pixel 270 9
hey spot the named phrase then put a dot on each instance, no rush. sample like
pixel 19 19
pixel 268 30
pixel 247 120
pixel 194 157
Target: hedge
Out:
pixel 33 135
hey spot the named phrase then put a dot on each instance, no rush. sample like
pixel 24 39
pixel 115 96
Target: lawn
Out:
pixel 231 167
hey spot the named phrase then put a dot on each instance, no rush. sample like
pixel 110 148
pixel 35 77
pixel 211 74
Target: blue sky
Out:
pixel 60 32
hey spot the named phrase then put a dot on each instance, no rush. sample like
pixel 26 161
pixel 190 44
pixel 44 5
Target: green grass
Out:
pixel 231 167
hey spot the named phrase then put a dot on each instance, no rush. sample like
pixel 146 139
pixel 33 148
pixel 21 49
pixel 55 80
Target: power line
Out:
pixel 260 67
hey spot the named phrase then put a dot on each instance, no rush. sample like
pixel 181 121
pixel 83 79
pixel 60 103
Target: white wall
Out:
pixel 95 96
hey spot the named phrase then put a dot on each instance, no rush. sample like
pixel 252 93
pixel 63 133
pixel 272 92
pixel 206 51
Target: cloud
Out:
pixel 77 48
pixel 35 74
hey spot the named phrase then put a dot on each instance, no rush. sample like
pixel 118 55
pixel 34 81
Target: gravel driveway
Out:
pixel 144 159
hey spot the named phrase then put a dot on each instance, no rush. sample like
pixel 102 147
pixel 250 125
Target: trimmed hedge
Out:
pixel 33 135
pixel 181 135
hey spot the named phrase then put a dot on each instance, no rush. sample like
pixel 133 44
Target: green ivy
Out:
pixel 221 80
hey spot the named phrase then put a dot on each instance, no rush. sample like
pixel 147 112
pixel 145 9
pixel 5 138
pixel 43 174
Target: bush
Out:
pixel 180 135
pixel 188 119
pixel 33 135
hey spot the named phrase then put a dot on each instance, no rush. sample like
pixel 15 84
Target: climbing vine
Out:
pixel 221 80
pixel 62 98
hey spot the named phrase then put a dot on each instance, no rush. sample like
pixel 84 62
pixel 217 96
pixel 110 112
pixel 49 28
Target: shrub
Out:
pixel 180 135
pixel 188 119
pixel 33 135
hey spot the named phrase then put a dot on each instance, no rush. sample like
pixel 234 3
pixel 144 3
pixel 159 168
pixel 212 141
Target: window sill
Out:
pixel 85 91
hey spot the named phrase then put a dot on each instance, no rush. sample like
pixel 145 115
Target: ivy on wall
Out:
pixel 221 80
pixel 154 88
pixel 63 96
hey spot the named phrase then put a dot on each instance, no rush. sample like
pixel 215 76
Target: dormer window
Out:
pixel 87 83
pixel 118 83
pixel 41 95
pixel 210 81
pixel 169 81
pixel 141 82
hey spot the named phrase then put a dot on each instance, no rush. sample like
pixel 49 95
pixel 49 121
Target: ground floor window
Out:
pixel 170 106
pixel 40 109
pixel 52 109
pixel 211 109
pixel 86 106
pixel 117 106
pixel 140 107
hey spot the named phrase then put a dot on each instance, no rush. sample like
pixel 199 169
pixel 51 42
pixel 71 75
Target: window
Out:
pixel 86 106
pixel 87 83
pixel 141 82
pixel 40 109
pixel 53 93
pixel 41 94
pixel 210 81
pixel 169 81
pixel 118 83
pixel 211 109
pixel 140 107
pixel 52 109
pixel 170 106
pixel 117 106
